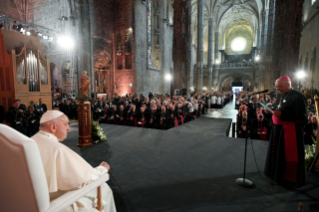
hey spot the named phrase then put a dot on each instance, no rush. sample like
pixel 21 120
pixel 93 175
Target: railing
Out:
pixel 237 65
pixel 8 22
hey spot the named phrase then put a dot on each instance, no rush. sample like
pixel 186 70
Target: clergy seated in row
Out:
pixel 65 170
pixel 155 116
pixel 243 125
pixel 68 107
pixel 310 130
pixel 260 127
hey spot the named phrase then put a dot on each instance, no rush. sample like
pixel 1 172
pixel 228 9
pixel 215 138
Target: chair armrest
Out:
pixel 71 197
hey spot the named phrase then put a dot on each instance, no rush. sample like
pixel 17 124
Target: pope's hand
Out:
pixel 277 113
pixel 106 165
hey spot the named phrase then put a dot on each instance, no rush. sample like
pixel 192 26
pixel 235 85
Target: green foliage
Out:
pixel 310 154
pixel 97 132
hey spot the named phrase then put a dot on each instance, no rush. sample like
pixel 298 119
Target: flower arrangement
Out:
pixel 310 154
pixel 97 132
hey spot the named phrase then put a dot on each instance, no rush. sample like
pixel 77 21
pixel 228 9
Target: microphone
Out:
pixel 264 91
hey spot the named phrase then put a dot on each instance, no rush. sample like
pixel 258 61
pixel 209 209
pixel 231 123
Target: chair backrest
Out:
pixel 23 185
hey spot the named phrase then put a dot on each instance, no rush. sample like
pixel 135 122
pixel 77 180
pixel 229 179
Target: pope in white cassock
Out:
pixel 65 170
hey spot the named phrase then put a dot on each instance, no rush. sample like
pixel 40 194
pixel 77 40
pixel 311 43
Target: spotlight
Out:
pixel 66 42
pixel 39 34
pixel 64 18
pixel 301 74
pixel 204 88
pixel 50 38
pixel 28 32
pixel 168 77
pixel 217 61
pixel 257 58
pixel 44 37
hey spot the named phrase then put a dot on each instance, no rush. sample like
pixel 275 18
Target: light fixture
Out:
pixel 192 88
pixel 238 44
pixel 50 38
pixel 217 61
pixel 131 84
pixel 44 37
pixel 301 74
pixel 204 88
pixel 66 42
pixel 28 32
pixel 168 77
pixel 257 58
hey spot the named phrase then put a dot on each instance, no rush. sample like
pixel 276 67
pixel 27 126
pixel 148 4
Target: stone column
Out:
pixel 189 79
pixel 253 54
pixel 222 56
pixel 200 43
pixel 210 52
pixel 216 45
pixel 287 36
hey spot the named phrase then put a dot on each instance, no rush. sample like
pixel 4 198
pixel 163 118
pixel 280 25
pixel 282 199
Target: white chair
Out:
pixel 23 185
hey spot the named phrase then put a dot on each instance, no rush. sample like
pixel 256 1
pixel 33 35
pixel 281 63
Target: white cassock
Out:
pixel 219 100
pixel 65 170
pixel 214 99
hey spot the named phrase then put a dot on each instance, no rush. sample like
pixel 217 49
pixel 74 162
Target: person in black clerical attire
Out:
pixel 40 108
pixel 260 127
pixel 22 106
pixel 2 114
pixel 311 130
pixel 121 116
pixel 142 116
pixel 285 162
pixel 243 125
pixel 131 116
pixel 171 117
pixel 33 120
pixel 16 118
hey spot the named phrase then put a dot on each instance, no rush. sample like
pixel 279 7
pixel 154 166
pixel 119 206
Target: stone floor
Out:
pixel 227 112
pixel 191 168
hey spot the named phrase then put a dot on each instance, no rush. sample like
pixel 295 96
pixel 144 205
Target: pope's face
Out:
pixel 62 128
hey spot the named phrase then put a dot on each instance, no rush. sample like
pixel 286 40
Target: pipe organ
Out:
pixel 27 75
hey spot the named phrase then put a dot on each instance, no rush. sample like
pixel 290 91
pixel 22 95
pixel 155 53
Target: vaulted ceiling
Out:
pixel 229 15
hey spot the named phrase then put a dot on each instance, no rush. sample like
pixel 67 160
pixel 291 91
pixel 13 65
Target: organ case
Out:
pixel 29 69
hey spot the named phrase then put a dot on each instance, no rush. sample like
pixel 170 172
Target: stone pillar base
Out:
pixel 85 125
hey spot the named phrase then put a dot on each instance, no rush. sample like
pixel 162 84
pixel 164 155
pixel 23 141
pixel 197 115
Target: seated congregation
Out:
pixel 156 112
pixel 255 119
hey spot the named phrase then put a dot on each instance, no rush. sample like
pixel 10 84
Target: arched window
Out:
pixel 153 32
pixel 313 1
pixel 313 67
pixel 149 31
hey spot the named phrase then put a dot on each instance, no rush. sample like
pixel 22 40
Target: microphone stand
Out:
pixel 243 181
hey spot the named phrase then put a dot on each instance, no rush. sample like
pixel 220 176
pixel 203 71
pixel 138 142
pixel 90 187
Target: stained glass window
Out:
pixel 149 30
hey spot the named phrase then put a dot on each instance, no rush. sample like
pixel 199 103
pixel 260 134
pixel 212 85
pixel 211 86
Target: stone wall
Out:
pixel 148 78
pixel 309 45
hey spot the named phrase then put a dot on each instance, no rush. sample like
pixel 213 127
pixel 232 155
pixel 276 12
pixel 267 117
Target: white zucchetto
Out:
pixel 50 115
